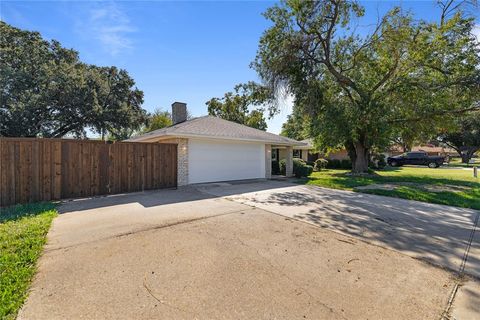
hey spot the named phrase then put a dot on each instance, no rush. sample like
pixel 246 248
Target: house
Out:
pixel 430 149
pixel 308 153
pixel 211 149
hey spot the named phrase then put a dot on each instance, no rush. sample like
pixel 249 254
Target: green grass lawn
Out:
pixel 412 182
pixel 23 230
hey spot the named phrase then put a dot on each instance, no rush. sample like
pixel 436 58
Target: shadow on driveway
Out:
pixel 154 198
pixel 439 234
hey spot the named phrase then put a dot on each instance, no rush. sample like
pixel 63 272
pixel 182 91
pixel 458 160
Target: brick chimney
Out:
pixel 179 112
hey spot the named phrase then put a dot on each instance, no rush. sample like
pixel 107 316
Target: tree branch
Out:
pixel 325 42
pixel 386 77
pixel 435 114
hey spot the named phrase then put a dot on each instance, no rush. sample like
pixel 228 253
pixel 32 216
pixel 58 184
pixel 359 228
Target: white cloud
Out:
pixel 109 25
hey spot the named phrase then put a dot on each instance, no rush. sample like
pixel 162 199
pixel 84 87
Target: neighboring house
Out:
pixel 430 149
pixel 308 153
pixel 211 149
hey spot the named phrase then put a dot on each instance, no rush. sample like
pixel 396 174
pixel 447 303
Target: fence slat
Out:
pixel 35 169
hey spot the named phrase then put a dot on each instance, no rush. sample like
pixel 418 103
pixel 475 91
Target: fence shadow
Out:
pixel 20 211
pixel 160 197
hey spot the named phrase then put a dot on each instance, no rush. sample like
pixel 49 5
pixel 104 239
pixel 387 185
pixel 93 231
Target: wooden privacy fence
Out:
pixel 33 169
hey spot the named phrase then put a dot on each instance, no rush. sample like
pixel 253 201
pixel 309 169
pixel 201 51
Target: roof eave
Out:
pixel 200 136
pixel 155 138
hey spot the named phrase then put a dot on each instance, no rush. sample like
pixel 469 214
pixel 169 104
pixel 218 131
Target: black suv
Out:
pixel 418 158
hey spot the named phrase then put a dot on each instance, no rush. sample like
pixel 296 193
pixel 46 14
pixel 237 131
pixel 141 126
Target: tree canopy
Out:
pixel 296 126
pixel 47 91
pixel 243 106
pixel 359 90
pixel 465 139
pixel 157 120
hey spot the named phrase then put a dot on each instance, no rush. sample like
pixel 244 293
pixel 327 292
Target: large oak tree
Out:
pixel 359 88
pixel 47 91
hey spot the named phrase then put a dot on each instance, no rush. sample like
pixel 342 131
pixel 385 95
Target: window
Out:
pixel 415 155
pixel 297 153
pixel 274 154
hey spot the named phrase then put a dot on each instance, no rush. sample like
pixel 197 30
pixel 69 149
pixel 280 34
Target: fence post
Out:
pixel 475 172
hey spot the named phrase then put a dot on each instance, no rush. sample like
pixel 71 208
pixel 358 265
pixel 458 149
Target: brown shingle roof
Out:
pixel 216 128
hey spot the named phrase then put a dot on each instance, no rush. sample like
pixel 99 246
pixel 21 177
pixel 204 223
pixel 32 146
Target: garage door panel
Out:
pixel 211 161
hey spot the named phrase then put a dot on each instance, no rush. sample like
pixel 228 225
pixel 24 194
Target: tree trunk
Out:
pixel 362 153
pixel 351 151
pixel 466 153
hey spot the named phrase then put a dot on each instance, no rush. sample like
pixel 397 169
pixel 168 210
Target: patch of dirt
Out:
pixel 445 188
pixel 426 187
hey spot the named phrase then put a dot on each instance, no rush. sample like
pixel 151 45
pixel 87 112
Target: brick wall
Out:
pixel 182 159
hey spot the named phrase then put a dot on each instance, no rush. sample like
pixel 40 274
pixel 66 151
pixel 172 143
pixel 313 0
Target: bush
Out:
pixel 333 164
pixel 303 171
pixel 300 168
pixel 283 166
pixel 320 164
pixel 382 163
pixel 298 162
pixel 275 167
pixel 346 164
pixel 339 164
pixel 378 161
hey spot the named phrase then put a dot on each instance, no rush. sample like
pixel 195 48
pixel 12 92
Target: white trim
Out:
pixel 189 136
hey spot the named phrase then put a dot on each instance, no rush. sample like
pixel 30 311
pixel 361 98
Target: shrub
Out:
pixel 339 164
pixel 298 162
pixel 300 168
pixel 303 171
pixel 333 164
pixel 275 167
pixel 283 166
pixel 346 164
pixel 309 170
pixel 320 164
pixel 378 161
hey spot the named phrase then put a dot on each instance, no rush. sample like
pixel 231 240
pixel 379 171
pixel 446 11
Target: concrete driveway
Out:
pixel 214 252
pixel 445 236
pixel 438 234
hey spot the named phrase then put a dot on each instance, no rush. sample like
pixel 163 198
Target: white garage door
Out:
pixel 210 160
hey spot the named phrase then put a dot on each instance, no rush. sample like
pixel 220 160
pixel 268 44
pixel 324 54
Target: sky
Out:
pixel 187 51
